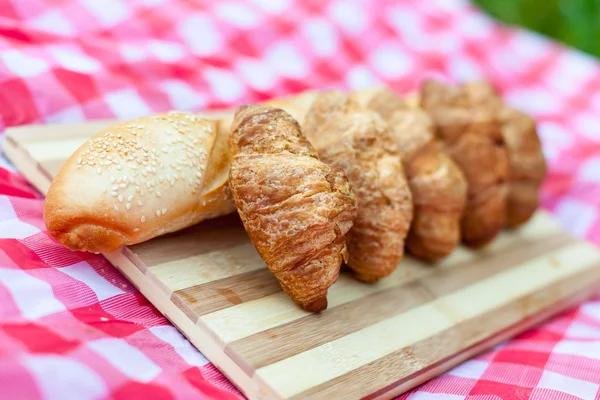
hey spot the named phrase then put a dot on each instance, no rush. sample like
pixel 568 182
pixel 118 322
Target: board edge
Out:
pixel 410 382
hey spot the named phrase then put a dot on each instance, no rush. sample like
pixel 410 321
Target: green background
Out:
pixel 574 22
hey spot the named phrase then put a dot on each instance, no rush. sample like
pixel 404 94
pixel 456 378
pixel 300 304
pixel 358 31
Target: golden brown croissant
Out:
pixel 438 187
pixel 527 165
pixel 466 120
pixel 295 208
pixel 359 142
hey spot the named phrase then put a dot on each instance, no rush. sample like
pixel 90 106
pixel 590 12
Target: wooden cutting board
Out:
pixel 374 341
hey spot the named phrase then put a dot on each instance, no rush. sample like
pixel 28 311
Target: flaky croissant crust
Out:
pixel 527 165
pixel 438 186
pixel 466 121
pixel 295 208
pixel 359 142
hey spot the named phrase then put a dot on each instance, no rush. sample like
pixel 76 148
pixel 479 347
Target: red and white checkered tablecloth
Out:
pixel 71 327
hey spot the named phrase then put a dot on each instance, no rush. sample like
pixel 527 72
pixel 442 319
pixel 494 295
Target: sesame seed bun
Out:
pixel 140 179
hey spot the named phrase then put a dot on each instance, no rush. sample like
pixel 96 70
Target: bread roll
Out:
pixel 295 208
pixel 527 165
pixel 438 187
pixel 467 123
pixel 360 144
pixel 140 179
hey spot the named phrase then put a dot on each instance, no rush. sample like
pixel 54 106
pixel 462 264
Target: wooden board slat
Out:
pixel 374 341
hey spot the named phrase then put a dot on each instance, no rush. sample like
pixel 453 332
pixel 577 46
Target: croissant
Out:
pixel 527 165
pixel 438 187
pixel 466 121
pixel 295 208
pixel 359 142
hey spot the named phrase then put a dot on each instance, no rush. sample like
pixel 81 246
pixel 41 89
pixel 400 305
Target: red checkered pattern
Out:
pixel 71 327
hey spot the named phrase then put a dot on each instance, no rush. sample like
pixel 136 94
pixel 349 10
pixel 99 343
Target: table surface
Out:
pixel 74 313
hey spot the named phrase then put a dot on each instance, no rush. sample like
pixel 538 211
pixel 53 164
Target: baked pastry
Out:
pixel 359 142
pixel 438 187
pixel 138 180
pixel 526 162
pixel 466 121
pixel 295 208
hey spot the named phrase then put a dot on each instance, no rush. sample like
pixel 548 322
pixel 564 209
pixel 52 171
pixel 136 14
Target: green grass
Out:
pixel 574 22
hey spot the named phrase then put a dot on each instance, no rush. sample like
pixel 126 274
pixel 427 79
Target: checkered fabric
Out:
pixel 72 327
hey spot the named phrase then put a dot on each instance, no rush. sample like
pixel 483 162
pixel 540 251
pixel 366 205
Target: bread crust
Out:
pixel 359 142
pixel 466 121
pixel 140 179
pixel 527 165
pixel 437 184
pixel 295 208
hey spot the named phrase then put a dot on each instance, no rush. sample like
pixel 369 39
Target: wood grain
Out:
pixel 374 341
pixel 306 333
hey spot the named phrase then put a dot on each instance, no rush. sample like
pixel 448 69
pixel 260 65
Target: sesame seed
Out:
pixel 114 187
pixel 116 207
pixel 84 163
pixel 158 213
pixel 199 174
pixel 123 185
pixel 140 203
pixel 119 167
pixel 120 198
pixel 128 206
pixel 137 189
pixel 164 211
pixel 114 194
pixel 136 230
pixel 143 219
pixel 103 190
pixel 158 193
pixel 161 179
pixel 99 171
pixel 130 197
pixel 147 132
pixel 79 160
